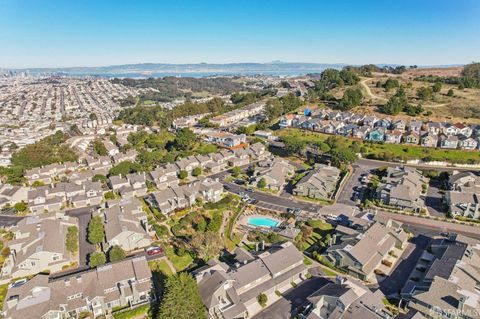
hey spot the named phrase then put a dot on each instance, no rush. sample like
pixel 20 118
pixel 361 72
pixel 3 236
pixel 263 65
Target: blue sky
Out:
pixel 45 33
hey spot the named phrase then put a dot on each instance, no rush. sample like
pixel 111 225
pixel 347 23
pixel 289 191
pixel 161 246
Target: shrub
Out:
pixel 262 300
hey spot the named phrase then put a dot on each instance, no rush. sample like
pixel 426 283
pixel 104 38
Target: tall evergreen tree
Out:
pixel 181 299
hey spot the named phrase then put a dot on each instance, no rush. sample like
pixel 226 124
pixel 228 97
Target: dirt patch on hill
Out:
pixel 452 71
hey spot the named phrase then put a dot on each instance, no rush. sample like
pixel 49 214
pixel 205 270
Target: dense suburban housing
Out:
pixel 97 291
pixel 362 255
pixel 346 299
pixel 38 244
pixel 445 282
pixel 232 292
pixel 463 197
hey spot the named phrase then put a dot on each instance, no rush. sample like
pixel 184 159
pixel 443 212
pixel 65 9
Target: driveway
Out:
pixel 84 248
pixel 353 183
pixel 285 307
pixel 433 200
pixel 273 202
pixel 397 279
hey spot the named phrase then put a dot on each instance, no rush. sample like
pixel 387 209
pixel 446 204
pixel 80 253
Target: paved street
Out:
pixel 295 297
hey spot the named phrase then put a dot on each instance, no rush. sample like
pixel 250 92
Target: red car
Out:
pixel 154 250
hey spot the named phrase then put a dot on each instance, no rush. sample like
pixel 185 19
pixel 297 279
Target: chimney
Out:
pixel 461 303
pixel 256 246
pixel 263 245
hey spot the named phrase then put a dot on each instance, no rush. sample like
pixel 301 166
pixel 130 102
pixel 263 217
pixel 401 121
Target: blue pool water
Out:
pixel 262 221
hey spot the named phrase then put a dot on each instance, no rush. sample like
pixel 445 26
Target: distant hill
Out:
pixel 276 68
pixel 194 70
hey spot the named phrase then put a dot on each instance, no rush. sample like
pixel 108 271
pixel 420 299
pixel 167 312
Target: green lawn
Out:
pixel 161 266
pixel 179 262
pixel 389 151
pixel 3 293
pixel 133 313
pixel 328 272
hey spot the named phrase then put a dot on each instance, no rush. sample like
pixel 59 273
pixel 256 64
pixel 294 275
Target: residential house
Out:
pixel 370 120
pixel 124 284
pixel 10 194
pixel 402 187
pixel 377 135
pixel 274 171
pixel 399 125
pixel 187 164
pixel 467 143
pixel 170 199
pixel 164 176
pixel 360 255
pixel 117 181
pixel 346 299
pixel 126 226
pixel 450 141
pixel 320 183
pixel 429 140
pixel 448 283
pixel 232 292
pixel 393 136
pixel 38 244
pixel 411 138
pixel 415 127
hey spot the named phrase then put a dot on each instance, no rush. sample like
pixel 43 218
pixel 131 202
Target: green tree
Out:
pixel 201 225
pixel 124 168
pixel 96 259
pixel 184 139
pixel 215 222
pixel 20 206
pixel 236 171
pixel 437 87
pixel 181 298
pixel 71 241
pixel 116 253
pixel 207 245
pixel 293 145
pixel 99 178
pixel 109 195
pixel 92 116
pixel 425 93
pixel 99 148
pixel 342 156
pixel 262 300
pixel 450 93
pixel 391 84
pixel 396 103
pixel 274 109
pixel 96 231
pixel 197 171
pixel 352 97
pixel 262 183
pixel 183 174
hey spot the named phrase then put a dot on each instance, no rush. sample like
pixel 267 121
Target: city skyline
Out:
pixel 66 34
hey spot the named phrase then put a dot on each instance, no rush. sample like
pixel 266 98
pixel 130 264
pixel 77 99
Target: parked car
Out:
pixel 251 190
pixel 154 250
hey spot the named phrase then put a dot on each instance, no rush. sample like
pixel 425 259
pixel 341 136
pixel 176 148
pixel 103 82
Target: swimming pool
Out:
pixel 263 222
